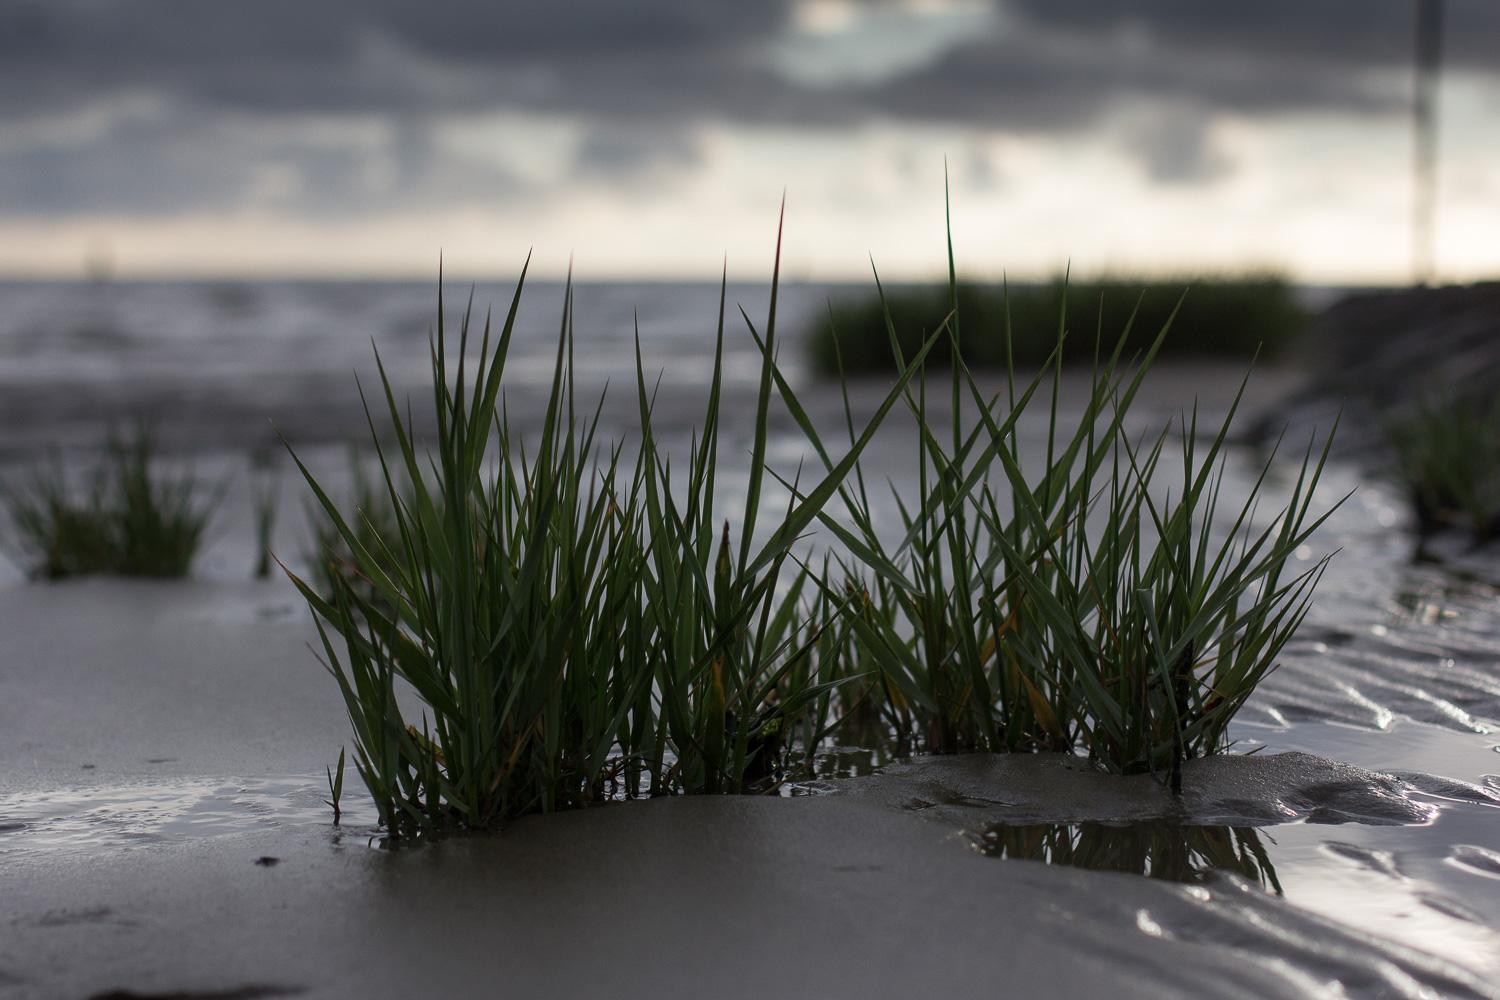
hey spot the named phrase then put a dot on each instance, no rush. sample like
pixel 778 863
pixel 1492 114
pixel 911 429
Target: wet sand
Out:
pixel 158 744
pixel 730 897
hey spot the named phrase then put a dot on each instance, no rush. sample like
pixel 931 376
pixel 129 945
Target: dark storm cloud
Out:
pixel 1334 33
pixel 695 56
pixel 164 105
pixel 1040 79
pixel 1064 59
pixel 316 54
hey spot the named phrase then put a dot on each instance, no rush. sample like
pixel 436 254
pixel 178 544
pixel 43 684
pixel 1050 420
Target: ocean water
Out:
pixel 215 364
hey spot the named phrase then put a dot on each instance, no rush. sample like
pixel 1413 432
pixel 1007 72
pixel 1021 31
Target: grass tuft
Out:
pixel 567 622
pixel 1447 455
pixel 128 520
pixel 1077 600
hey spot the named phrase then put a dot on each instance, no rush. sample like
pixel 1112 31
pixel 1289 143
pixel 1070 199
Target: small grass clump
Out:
pixel 1221 317
pixel 128 520
pixel 570 623
pixel 1446 447
pixel 1085 605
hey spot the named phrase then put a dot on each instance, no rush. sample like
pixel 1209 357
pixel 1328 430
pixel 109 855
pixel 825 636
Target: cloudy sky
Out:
pixel 647 138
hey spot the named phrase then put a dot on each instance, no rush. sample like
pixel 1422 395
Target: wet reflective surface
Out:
pixel 1157 850
pixel 111 817
pixel 1397 669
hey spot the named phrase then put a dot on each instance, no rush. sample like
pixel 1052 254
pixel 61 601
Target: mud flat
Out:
pixel 162 833
pixel 826 897
pixel 160 747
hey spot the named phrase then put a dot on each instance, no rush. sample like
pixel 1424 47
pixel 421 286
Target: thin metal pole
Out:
pixel 1425 141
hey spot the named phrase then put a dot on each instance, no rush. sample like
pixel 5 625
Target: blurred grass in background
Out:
pixel 130 519
pixel 1219 317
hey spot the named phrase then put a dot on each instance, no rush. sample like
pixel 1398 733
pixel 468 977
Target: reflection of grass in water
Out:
pixel 857 759
pixel 1429 596
pixel 1427 605
pixel 1159 849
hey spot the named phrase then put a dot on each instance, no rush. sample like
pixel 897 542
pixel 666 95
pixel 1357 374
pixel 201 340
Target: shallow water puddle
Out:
pixel 1159 849
pixel 1430 881
pixel 1401 883
pixel 1433 885
pixel 108 817
pixel 1412 886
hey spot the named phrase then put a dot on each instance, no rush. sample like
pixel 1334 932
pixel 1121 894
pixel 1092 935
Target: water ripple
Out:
pixel 90 819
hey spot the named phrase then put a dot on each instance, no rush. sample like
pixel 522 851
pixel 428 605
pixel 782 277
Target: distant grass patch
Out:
pixel 370 514
pixel 1446 446
pixel 1218 317
pixel 126 520
pixel 265 497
